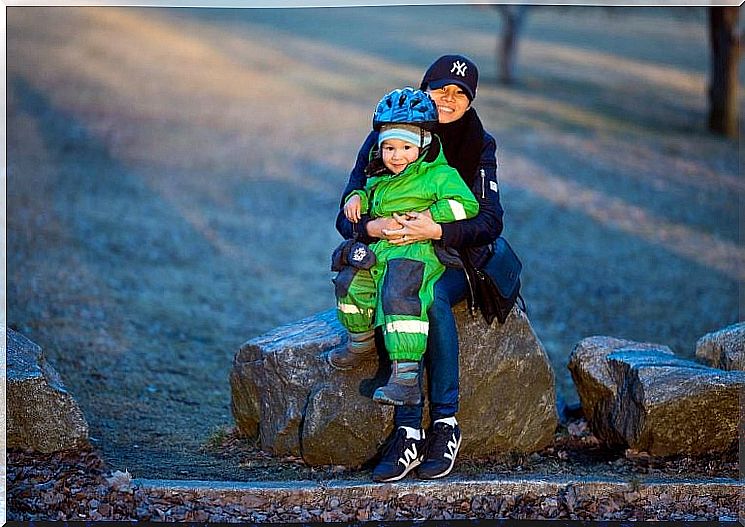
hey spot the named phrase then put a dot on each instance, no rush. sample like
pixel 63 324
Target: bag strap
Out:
pixel 523 306
pixel 470 273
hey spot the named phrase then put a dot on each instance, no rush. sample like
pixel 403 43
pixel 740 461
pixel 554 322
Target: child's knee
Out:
pixel 401 286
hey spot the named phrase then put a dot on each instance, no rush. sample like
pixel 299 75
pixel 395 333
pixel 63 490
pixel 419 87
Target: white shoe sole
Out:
pixel 413 465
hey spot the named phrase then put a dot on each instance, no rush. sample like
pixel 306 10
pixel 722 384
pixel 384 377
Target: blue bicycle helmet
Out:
pixel 406 106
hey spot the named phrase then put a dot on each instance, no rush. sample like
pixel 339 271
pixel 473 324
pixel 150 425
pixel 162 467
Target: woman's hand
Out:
pixel 377 228
pixel 416 226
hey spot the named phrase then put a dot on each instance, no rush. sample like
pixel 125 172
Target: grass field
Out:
pixel 174 174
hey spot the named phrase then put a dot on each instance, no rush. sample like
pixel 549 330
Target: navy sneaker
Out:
pixel 401 454
pixel 440 452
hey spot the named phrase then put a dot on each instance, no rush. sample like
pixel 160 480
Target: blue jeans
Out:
pixel 441 357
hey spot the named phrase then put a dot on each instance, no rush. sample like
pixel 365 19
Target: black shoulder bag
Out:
pixel 495 288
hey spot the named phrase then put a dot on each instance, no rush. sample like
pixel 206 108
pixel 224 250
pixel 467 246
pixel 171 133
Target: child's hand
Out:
pixel 352 209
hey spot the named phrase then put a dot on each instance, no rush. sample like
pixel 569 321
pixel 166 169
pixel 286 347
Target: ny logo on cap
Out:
pixel 459 68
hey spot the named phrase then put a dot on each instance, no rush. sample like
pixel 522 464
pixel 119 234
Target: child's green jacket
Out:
pixel 423 185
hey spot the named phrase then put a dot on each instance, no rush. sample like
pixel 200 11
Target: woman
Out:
pixel 451 81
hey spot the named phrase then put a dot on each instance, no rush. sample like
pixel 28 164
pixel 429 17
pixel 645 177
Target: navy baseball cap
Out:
pixel 452 69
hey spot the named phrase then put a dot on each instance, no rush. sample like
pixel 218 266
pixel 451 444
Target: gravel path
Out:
pixel 574 478
pixel 173 177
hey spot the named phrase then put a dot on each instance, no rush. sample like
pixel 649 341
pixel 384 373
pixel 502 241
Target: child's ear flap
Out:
pixel 375 166
pixel 378 154
pixel 432 150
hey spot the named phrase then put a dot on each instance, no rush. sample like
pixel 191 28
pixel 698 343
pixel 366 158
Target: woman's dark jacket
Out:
pixel 474 236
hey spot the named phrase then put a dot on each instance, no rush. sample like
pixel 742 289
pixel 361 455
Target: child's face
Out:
pixel 397 154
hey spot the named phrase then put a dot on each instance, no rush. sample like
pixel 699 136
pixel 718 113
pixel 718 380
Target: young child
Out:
pixel 393 286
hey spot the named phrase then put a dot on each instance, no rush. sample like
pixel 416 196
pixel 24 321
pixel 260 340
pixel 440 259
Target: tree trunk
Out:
pixel 725 52
pixel 513 17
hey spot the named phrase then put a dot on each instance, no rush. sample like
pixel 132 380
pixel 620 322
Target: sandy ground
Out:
pixel 173 177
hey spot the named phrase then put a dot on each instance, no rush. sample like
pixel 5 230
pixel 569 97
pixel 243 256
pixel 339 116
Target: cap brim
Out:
pixel 444 82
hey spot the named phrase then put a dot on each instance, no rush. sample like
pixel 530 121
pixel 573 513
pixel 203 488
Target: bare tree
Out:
pixel 725 53
pixel 724 41
pixel 513 17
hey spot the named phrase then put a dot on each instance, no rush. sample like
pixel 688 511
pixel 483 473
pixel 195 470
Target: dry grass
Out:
pixel 173 177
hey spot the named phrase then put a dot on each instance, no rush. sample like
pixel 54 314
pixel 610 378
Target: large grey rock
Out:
pixel 283 389
pixel 273 375
pixel 643 396
pixel 723 349
pixel 41 414
pixel 343 425
pixel 596 387
pixel 668 405
pixel 507 391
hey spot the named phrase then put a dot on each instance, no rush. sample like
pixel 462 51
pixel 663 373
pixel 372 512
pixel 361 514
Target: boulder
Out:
pixel 41 414
pixel 284 391
pixel 507 391
pixel 273 375
pixel 642 396
pixel 597 389
pixel 669 406
pixel 343 425
pixel 723 349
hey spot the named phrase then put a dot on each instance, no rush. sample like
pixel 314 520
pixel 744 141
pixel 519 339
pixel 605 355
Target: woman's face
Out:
pixel 452 102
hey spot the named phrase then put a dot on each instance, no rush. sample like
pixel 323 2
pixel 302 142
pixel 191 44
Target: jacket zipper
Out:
pixel 483 184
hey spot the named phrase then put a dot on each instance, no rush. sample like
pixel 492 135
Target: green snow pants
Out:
pixel 395 293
